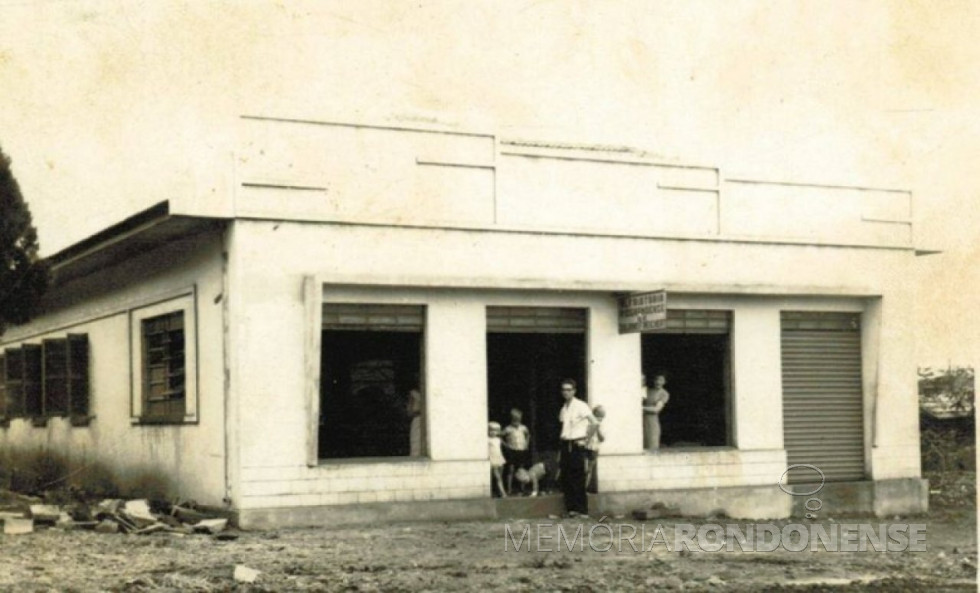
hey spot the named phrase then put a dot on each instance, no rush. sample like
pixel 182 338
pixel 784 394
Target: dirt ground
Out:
pixel 471 555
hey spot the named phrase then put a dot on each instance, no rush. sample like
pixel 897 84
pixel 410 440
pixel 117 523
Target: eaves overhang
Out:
pixel 139 233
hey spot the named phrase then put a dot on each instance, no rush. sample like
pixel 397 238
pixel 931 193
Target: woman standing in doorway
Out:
pixel 413 408
pixel 655 400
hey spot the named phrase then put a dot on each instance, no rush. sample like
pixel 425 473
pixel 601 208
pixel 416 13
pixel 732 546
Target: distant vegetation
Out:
pixel 947 419
pixel 23 275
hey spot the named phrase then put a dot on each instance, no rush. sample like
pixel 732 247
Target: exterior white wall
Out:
pixel 186 459
pixel 896 450
pixel 849 215
pixel 309 170
pixel 456 274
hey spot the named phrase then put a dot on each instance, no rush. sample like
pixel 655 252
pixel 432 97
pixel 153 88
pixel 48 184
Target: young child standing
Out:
pixel 517 439
pixel 592 448
pixel 497 460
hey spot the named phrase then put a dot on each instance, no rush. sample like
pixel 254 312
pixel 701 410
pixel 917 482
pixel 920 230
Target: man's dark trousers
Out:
pixel 573 477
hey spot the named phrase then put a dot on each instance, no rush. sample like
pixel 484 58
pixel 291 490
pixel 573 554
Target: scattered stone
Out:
pixel 110 505
pixel 188 515
pixel 138 513
pixel 169 520
pixel 80 512
pixel 151 529
pixel 244 574
pixel 11 515
pixel 125 525
pixel 65 521
pixel 107 526
pixel 45 513
pixel 181 530
pixel 17 525
pixel 715 580
pixel 211 526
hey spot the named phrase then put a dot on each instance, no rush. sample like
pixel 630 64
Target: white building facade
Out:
pixel 256 350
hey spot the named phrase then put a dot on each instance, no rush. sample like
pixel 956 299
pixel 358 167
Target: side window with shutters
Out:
pixel 32 381
pixel 55 377
pixel 78 381
pixel 163 343
pixel 45 380
pixel 14 382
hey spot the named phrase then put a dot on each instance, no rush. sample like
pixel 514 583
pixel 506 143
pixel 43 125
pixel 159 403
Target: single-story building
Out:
pixel 255 350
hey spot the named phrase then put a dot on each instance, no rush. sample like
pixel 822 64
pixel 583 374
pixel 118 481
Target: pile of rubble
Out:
pixel 657 510
pixel 118 516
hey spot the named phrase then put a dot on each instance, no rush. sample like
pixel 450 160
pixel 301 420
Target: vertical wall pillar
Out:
pixel 615 380
pixel 456 379
pixel 757 377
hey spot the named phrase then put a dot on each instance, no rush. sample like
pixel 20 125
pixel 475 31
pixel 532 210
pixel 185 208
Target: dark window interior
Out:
pixel 696 368
pixel 365 379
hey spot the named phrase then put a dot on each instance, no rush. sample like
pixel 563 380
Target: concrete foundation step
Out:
pixel 525 507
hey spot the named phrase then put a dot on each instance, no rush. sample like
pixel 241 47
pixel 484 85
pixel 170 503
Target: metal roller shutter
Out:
pixel 552 320
pixel 344 316
pixel 823 411
pixel 697 321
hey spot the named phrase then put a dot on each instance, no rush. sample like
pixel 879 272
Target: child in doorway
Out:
pixel 517 439
pixel 592 448
pixel 497 460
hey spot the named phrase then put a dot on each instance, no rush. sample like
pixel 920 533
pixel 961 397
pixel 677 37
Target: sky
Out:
pixel 109 107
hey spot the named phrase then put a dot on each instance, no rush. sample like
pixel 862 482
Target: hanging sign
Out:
pixel 643 312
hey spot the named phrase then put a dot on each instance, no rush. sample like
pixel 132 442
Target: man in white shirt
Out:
pixel 577 425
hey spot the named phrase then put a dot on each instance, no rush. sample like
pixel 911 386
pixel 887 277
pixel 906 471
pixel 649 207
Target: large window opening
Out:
pixel 164 367
pixel 163 343
pixel 371 396
pixel 530 350
pixel 693 354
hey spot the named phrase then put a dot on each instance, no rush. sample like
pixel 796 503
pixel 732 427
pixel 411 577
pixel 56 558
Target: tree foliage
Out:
pixel 23 275
pixel 947 392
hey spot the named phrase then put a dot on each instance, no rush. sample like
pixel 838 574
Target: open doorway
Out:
pixel 530 350
pixel 525 372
